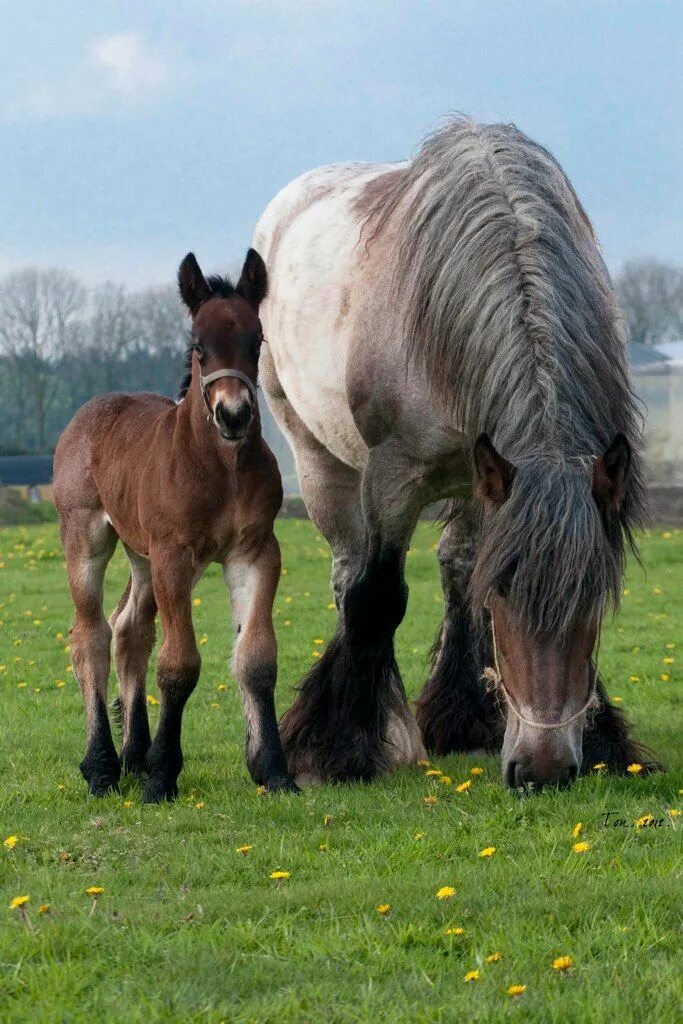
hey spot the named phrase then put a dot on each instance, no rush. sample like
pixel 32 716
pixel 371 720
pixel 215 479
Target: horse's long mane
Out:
pixel 224 288
pixel 508 307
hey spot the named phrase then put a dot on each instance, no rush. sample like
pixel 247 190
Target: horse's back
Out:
pixel 308 237
pixel 106 426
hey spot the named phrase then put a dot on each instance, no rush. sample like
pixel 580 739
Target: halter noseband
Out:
pixel 216 375
pixel 495 677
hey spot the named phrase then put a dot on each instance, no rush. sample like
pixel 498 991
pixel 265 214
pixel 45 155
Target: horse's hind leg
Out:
pixel 455 712
pixel 89 541
pixel 134 633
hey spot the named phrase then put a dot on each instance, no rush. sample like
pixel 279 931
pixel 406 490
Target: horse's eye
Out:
pixel 199 350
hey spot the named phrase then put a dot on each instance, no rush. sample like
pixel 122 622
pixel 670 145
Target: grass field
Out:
pixel 189 929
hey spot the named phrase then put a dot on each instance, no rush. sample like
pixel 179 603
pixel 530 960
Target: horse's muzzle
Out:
pixel 233 423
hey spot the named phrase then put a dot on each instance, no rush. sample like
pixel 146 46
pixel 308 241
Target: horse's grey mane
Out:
pixel 509 307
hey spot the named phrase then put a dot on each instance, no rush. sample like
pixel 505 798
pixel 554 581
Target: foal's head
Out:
pixel 551 557
pixel 226 341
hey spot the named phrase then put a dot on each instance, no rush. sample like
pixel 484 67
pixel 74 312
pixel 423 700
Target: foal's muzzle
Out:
pixel 233 421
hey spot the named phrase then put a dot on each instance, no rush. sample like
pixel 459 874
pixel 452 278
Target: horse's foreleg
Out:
pixel 133 628
pixel 178 665
pixel 89 543
pixel 252 583
pixel 351 718
pixel 455 711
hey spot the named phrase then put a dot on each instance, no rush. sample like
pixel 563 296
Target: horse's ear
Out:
pixel 253 282
pixel 610 471
pixel 494 473
pixel 192 283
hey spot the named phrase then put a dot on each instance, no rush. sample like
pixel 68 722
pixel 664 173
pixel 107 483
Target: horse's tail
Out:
pixel 115 706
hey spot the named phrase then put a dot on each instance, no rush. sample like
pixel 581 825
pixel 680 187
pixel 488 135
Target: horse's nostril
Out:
pixel 233 422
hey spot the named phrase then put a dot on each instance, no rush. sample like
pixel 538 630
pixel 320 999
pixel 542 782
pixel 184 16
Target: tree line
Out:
pixel 62 343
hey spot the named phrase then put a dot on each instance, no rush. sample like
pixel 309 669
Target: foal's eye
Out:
pixel 200 352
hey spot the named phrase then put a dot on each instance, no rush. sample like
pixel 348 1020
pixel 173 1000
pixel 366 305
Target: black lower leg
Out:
pixel 164 759
pixel 455 711
pixel 263 749
pixel 137 736
pixel 607 740
pixel 100 767
pixel 336 729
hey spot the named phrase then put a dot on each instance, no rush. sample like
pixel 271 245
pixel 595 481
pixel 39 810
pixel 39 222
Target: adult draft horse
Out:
pixel 181 486
pixel 434 324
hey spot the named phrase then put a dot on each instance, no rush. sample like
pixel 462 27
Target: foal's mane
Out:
pixel 507 305
pixel 223 288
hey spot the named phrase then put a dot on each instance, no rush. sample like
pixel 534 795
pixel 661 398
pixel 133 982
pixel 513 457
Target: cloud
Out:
pixel 115 69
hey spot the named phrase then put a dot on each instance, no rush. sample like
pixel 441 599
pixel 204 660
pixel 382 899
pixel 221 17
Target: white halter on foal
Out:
pixel 216 375
pixel 495 677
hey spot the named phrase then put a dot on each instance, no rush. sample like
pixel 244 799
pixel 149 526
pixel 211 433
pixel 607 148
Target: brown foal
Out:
pixel 181 485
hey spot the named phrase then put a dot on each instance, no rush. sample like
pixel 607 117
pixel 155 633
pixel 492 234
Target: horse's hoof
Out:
pixel 282 784
pixel 101 787
pixel 133 763
pixel 158 789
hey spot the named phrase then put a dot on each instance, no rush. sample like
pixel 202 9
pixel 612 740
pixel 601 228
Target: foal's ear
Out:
pixel 253 282
pixel 610 471
pixel 192 283
pixel 494 473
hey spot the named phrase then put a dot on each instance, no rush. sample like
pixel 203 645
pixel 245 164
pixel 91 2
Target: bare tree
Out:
pixel 38 309
pixel 651 296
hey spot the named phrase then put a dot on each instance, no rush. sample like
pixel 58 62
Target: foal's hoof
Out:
pixel 282 784
pixel 133 763
pixel 158 788
pixel 102 775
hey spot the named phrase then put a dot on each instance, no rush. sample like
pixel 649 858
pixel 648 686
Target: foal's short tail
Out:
pixel 115 706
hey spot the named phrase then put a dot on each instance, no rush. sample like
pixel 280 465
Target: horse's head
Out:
pixel 226 340
pixel 551 556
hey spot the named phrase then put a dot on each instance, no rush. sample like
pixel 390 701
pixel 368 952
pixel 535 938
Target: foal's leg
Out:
pixel 252 583
pixel 178 665
pixel 89 541
pixel 133 627
pixel 455 711
pixel 351 719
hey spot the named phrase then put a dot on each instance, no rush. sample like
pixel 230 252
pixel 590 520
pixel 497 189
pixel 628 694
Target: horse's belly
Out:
pixel 308 237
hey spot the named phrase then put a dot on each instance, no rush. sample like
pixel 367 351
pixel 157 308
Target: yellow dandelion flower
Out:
pixel 581 847
pixel 280 876
pixel 59 636
pixel 10 842
pixel 667 661
pixel 578 829
pixel 151 699
pixel 455 931
pixel 617 700
pixel 383 909
pixel 18 902
pixel 626 592
pixel 665 677
pixel 429 800
pixel 488 851
pixel 331 606
pixel 200 805
pixel 476 770
pixel 197 601
pixel 221 687
pixel 600 766
pixel 562 963
pixel 95 890
pixel 244 849
pixel 318 641
pixel 21 686
pixel 472 976
pixel 44 908
pixel 327 820
pixel 127 803
pixel 634 679
pixel 493 958
pixel 634 768
pixel 423 764
pixel 656 590
pixel 666 535
pixel 646 819
pixel 446 780
pixel 433 773
pixel 203 641
pixel 516 990
pixel 463 786
pixel 315 654
pixel 420 835
pixel 324 847
pixel 445 892
pixel 670 647
pixel 215 706
pixel 59 683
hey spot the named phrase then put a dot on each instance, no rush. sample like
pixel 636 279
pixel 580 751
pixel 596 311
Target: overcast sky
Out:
pixel 131 132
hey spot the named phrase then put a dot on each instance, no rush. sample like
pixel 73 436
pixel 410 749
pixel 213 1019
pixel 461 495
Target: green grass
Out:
pixel 190 930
